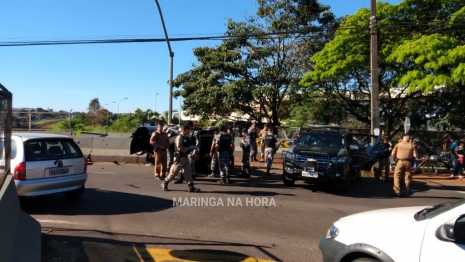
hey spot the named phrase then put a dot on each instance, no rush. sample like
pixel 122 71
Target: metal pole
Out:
pixel 69 121
pixel 30 118
pixel 155 103
pixel 170 107
pixel 117 116
pixel 375 122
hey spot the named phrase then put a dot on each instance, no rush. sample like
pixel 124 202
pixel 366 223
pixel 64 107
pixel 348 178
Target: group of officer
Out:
pixel 178 156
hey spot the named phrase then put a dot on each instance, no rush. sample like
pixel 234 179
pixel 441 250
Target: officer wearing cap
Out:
pixel 245 145
pixel 404 152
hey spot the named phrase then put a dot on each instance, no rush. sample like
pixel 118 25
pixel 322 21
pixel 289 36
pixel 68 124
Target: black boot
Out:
pixel 228 181
pixel 222 181
pixel 180 179
pixel 268 172
pixel 164 185
pixel 192 188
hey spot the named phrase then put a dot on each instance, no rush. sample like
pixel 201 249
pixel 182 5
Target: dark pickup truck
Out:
pixel 329 155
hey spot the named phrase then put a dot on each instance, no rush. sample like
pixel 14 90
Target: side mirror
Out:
pixel 291 142
pixel 353 147
pixel 452 231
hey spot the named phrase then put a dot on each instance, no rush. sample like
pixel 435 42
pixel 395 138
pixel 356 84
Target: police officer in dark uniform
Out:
pixel 224 144
pixel 271 142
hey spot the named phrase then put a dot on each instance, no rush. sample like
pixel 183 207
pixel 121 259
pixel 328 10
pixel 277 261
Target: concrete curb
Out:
pixel 20 234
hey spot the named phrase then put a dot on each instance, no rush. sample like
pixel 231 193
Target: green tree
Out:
pixel 342 69
pixel 256 71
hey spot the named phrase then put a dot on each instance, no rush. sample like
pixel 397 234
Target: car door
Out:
pixel 435 246
pixel 140 140
pixel 365 150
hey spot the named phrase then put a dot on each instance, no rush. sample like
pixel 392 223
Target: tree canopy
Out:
pixel 256 70
pixel 421 63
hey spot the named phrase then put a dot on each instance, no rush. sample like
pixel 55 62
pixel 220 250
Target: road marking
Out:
pixel 96 251
pixel 463 192
pixel 102 172
pixel 60 222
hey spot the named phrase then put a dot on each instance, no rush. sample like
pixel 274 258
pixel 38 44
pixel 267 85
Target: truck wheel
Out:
pixel 287 181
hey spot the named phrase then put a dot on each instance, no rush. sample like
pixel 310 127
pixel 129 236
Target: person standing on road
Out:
pixel 183 147
pixel 385 162
pixel 170 152
pixel 453 157
pixel 262 133
pixel 253 136
pixel 271 142
pixel 193 155
pixel 459 152
pixel 160 142
pixel 224 145
pixel 214 154
pixel 404 152
pixel 245 145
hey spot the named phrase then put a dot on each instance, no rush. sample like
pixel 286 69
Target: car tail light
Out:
pixel 85 165
pixel 20 171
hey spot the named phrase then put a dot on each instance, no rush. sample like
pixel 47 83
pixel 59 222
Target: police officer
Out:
pixel 271 142
pixel 224 144
pixel 181 162
pixel 214 155
pixel 404 152
pixel 245 145
pixel 193 155
pixel 253 136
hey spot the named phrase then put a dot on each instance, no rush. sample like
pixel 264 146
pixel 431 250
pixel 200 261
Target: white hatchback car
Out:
pixel 435 233
pixel 45 164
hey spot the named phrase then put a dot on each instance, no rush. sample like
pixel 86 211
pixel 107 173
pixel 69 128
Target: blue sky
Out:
pixel 64 77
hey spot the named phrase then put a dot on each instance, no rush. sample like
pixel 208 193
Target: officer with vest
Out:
pixel 214 155
pixel 224 144
pixel 194 154
pixel 245 145
pixel 404 152
pixel 181 162
pixel 271 142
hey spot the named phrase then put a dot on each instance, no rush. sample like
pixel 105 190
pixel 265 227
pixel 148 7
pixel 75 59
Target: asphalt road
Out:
pixel 125 216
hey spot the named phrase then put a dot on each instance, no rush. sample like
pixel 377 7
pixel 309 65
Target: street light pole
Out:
pixel 117 116
pixel 170 107
pixel 108 120
pixel 375 121
pixel 155 103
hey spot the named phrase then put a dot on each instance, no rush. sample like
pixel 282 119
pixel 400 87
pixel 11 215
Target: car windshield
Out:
pixel 433 211
pixel 335 140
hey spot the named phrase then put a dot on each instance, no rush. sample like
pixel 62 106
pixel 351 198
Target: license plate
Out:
pixel 309 174
pixel 59 171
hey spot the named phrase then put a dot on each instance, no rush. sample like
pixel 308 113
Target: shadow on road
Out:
pixel 95 202
pixel 106 246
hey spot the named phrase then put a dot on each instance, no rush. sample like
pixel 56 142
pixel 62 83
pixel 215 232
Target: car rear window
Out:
pixel 51 149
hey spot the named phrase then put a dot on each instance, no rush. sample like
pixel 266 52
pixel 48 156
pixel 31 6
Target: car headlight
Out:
pixel 333 232
pixel 341 159
pixel 290 155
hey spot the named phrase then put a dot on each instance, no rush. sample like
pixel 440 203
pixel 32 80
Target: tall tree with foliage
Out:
pixel 342 69
pixel 257 69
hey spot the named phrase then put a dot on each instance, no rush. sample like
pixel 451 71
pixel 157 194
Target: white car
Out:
pixel 45 164
pixel 435 233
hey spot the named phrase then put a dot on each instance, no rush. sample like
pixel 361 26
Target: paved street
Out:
pixel 125 216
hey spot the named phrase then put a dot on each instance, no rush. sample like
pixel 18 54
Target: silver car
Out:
pixel 45 164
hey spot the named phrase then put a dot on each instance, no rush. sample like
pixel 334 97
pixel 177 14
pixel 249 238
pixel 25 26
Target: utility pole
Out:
pixel 375 122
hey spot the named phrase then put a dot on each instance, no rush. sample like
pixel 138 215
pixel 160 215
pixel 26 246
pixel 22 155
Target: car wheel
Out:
pixel 74 194
pixel 287 181
pixel 365 259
